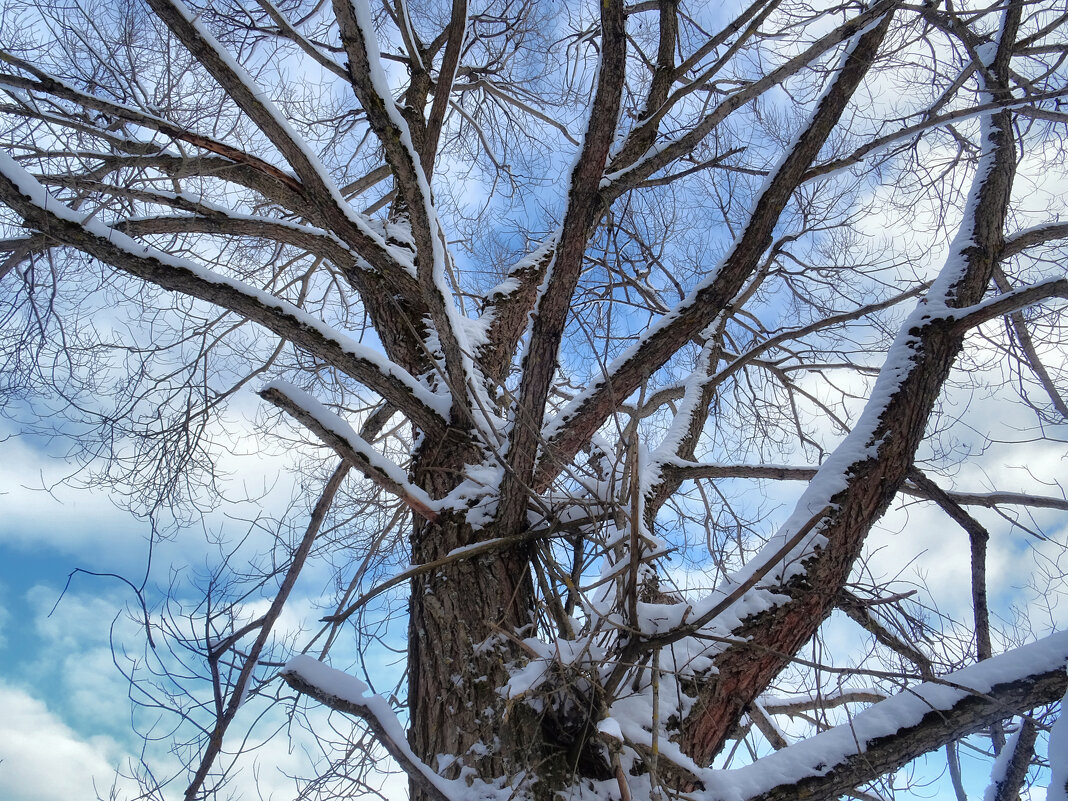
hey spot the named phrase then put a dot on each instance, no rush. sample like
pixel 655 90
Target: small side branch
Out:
pixel 694 471
pixel 345 693
pixel 265 625
pixel 1008 303
pixel 349 445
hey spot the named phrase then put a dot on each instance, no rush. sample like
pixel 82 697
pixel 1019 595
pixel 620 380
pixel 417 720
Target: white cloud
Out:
pixel 69 659
pixel 74 522
pixel 42 759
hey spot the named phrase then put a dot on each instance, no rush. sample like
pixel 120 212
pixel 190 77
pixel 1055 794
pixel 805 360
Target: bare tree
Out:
pixel 574 292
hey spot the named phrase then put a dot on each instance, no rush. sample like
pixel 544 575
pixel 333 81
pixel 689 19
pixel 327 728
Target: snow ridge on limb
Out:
pixel 339 435
pixel 552 306
pixel 1009 772
pixel 345 693
pixel 890 733
pixel 21 192
pixel 508 306
pixel 1007 303
pixel 1033 236
pixel 857 482
pixel 316 183
pixel 573 426
pixel 369 83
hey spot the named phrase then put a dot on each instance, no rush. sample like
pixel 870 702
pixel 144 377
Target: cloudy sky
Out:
pixel 66 722
pixel 64 711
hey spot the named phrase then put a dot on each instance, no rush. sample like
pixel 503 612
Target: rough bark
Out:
pixel 464 620
pixel 937 728
pixel 743 671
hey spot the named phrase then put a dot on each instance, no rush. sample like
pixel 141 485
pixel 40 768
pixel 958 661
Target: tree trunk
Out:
pixel 465 626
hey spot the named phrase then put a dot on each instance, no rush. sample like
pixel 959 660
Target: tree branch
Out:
pixel 40 210
pixel 266 625
pixel 921 719
pixel 575 424
pixel 584 208
pixel 857 482
pixel 393 132
pixel 345 693
pixel 349 445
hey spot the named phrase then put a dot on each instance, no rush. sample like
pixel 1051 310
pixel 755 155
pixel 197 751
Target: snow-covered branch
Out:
pixel 585 205
pixel 43 212
pixel 371 87
pixel 242 89
pixel 573 427
pixel 349 445
pixel 890 733
pixel 348 694
pixel 1008 303
pixel 856 483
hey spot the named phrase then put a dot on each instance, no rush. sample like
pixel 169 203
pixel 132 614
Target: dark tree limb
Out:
pixel 265 625
pixel 287 321
pixel 883 754
pixel 584 208
pixel 577 423
pixel 888 440
pixel 1008 787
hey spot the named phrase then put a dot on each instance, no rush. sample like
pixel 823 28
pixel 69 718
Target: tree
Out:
pixel 559 285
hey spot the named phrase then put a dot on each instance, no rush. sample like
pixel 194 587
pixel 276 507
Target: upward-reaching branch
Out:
pixel 855 485
pixel 582 417
pixel 241 89
pixel 370 86
pixel 584 208
pixel 450 61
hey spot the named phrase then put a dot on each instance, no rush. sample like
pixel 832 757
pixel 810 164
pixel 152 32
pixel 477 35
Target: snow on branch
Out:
pixel 890 733
pixel 345 693
pixel 371 87
pixel 1030 237
pixel 856 482
pixel 342 437
pixel 577 422
pixel 21 192
pixel 1058 750
pixel 553 305
pixel 1008 303
pixel 252 100
pixel 1011 766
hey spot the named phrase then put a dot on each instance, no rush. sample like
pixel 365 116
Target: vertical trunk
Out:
pixel 465 621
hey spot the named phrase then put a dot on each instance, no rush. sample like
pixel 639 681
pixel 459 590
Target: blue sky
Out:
pixel 68 718
pixel 65 719
pixel 66 724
